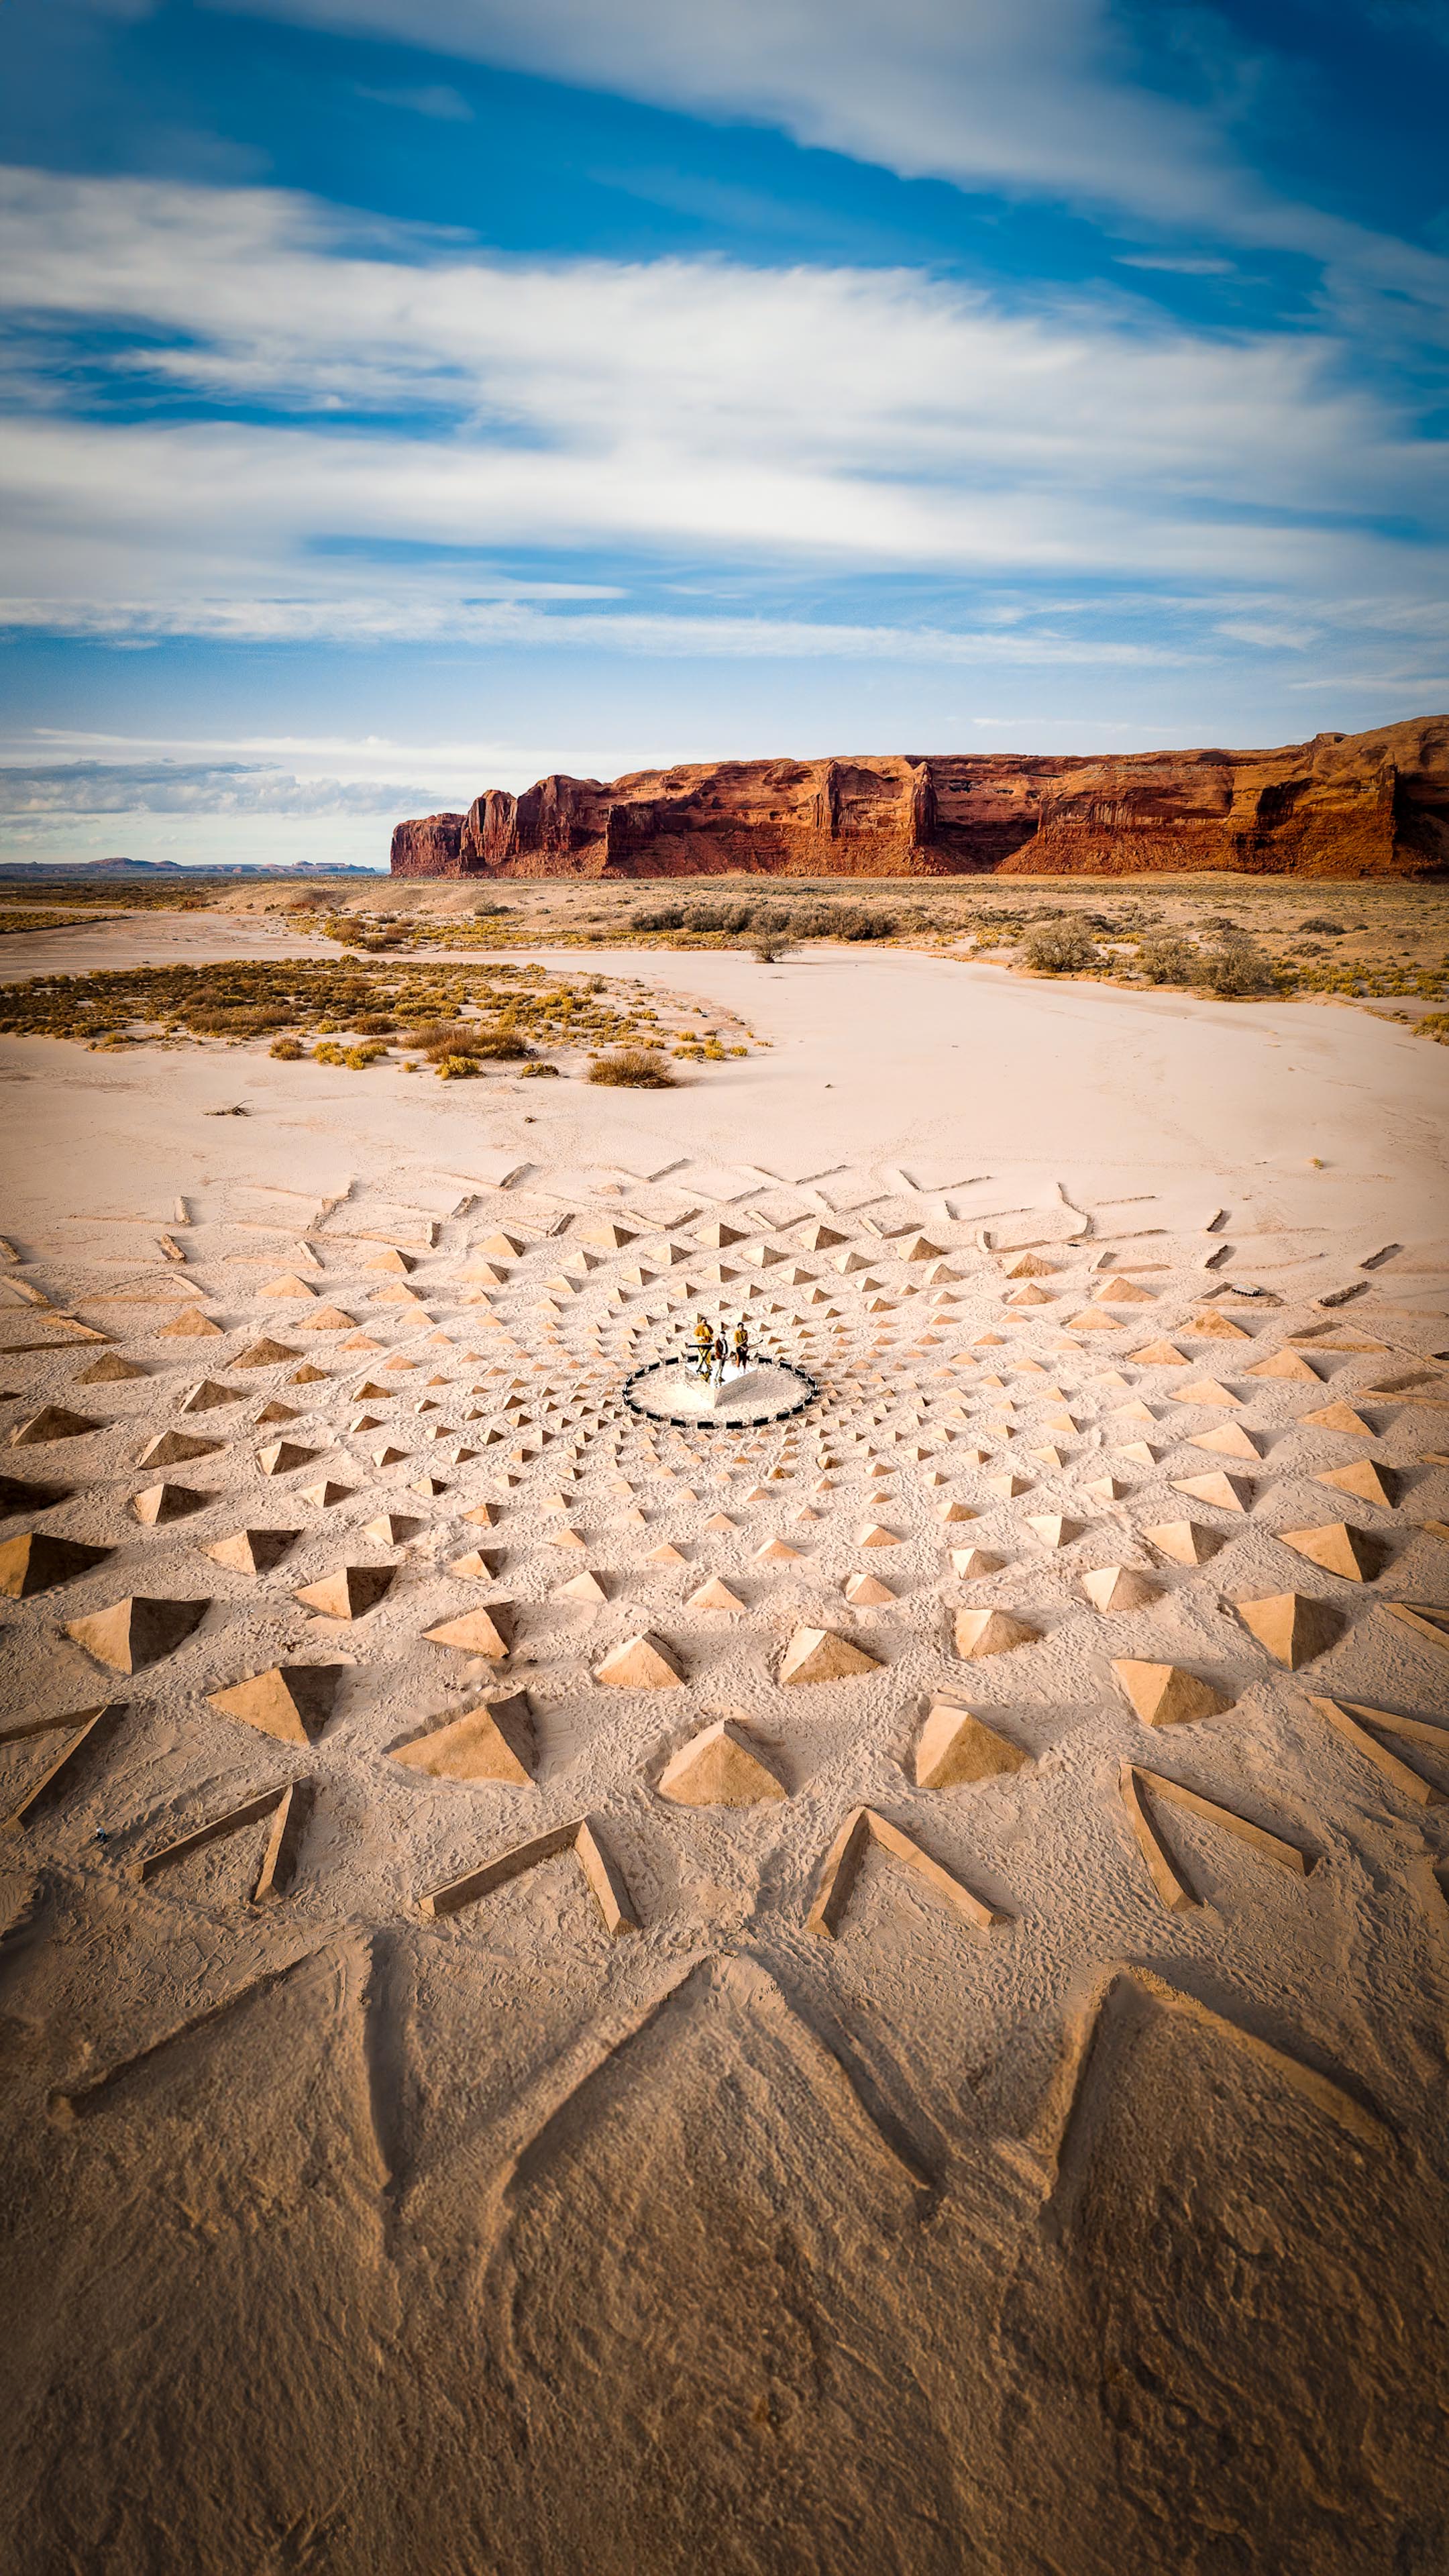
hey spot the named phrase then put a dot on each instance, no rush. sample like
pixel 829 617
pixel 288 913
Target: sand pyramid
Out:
pixel 1230 1440
pixel 585 1587
pixel 955 1511
pixel 505 1247
pixel 1030 1295
pixel 1114 1588
pixel 277 1411
pixel 137 1631
pixel 1205 1390
pixel 979 1633
pixel 291 1701
pixel 52 1422
pixel 282 1456
pixel 250 1551
pixel 1053 1529
pixel 873 1535
pixel 491 1742
pixel 484 1515
pixel 1225 1493
pixel 1293 1628
pixel 776 1551
pixel 156 1504
pixel 475 1567
pixel 970 1562
pixel 955 1747
pixel 1367 1482
pixel 192 1326
pixel 822 1655
pixel 644 1662
pixel 110 1367
pixel 1106 1489
pixel 263 1354
pixel 172 1448
pixel 1030 1265
pixel 918 1248
pixel 390 1259
pixel 37 1561
pixel 1158 1355
pixel 325 1319
pixel 867 1592
pixel 284 1290
pixel 347 1593
pixel 1008 1486
pixel 1337 1548
pixel 326 1494
pixel 478 1632
pixel 665 1555
pixel 1208 1325
pixel 1340 1417
pixel 714 1595
pixel 1118 1291
pixel 1285 1364
pixel 719 1768
pixel 1185 1542
pixel 1164 1695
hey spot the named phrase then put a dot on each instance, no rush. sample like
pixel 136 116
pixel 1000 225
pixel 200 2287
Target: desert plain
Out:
pixel 868 1995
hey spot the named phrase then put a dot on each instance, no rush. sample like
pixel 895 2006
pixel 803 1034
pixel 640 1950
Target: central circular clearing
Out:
pixel 673 1391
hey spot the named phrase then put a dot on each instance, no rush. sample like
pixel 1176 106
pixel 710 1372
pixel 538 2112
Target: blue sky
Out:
pixel 597 387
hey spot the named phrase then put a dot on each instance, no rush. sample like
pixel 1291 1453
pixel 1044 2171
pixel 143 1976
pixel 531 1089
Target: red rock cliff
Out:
pixel 1342 805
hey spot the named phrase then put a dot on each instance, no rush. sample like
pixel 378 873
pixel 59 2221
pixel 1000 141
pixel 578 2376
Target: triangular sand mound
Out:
pixel 491 1742
pixel 719 1768
pixel 35 1562
pixel 52 1422
pixel 1164 1695
pixel 136 1632
pixel 640 1663
pixel 1293 1628
pixel 250 1551
pixel 349 1593
pixel 1112 1588
pixel 955 1746
pixel 1337 1548
pixel 478 1632
pixel 980 1633
pixel 822 1655
pixel 714 1595
pixel 156 1504
pixel 291 1701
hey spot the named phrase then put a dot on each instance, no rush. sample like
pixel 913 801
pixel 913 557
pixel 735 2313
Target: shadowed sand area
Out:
pixel 907 2133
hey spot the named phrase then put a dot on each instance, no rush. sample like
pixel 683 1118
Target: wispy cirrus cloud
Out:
pixel 207 387
pixel 1069 101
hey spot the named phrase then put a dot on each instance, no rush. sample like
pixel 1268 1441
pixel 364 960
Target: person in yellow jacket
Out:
pixel 703 1345
pixel 742 1344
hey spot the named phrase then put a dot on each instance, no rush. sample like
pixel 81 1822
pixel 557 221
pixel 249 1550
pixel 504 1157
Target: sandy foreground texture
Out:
pixel 1037 2173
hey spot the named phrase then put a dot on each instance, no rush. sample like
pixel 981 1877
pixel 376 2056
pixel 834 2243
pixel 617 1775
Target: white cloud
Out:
pixel 849 422
pixel 191 787
pixel 1047 98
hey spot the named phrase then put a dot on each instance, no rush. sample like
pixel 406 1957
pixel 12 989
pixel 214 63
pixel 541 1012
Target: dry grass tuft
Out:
pixel 633 1068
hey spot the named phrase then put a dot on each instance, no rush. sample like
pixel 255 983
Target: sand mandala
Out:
pixel 383 1561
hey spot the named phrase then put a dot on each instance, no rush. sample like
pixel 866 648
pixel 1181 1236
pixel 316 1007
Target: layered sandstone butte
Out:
pixel 1342 805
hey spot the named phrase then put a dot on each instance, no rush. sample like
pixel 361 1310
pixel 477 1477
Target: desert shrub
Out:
pixel 1320 921
pixel 248 1021
pixel 1238 971
pixel 374 1024
pixel 865 925
pixel 1068 951
pixel 659 916
pixel 356 1058
pixel 456 1068
pixel 1169 961
pixel 290 1050
pixel 540 1072
pixel 634 1068
pixel 446 1038
pixel 1435 1024
pixel 767 950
